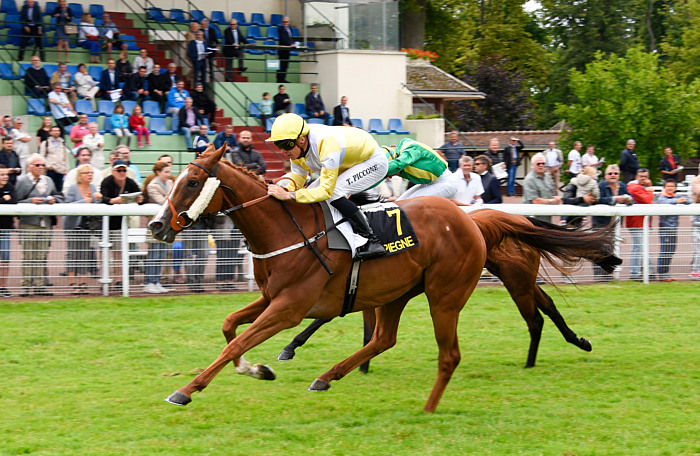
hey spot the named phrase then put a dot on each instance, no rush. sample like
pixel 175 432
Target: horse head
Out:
pixel 194 193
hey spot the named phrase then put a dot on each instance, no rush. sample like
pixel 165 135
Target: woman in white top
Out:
pixel 156 192
pixel 85 85
pixel 22 140
pixel 89 37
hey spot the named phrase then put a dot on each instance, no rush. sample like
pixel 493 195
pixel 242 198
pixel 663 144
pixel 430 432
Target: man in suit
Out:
pixel 315 108
pixel 512 155
pixel 341 113
pixel 211 41
pixel 135 88
pixel 158 86
pixel 31 19
pixel 233 39
pixel 492 186
pixel 197 53
pixel 109 79
pixel 285 33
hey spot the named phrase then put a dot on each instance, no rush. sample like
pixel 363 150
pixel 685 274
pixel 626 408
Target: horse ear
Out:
pixel 212 154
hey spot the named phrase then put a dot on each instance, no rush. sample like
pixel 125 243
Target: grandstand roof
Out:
pixel 427 80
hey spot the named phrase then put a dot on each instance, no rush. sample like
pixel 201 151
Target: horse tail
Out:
pixel 553 242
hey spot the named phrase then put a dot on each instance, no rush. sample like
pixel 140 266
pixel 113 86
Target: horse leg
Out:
pixel 287 352
pixel 387 323
pixel 369 322
pixel 545 303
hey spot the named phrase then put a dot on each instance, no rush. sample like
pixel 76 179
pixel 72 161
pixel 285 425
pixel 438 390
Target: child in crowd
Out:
pixel 265 108
pixel 586 183
pixel 120 125
pixel 201 142
pixel 668 229
pixel 138 123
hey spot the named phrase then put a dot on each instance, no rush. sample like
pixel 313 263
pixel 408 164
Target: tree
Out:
pixel 618 98
pixel 681 47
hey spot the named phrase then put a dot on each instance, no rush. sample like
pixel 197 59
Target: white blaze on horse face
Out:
pixel 204 198
pixel 165 205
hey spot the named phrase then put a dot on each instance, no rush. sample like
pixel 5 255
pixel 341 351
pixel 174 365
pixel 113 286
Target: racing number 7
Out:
pixel 397 213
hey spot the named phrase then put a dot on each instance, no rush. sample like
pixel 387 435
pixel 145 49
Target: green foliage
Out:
pixel 682 48
pixel 422 115
pixel 618 98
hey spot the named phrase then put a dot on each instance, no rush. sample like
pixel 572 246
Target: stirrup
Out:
pixel 372 249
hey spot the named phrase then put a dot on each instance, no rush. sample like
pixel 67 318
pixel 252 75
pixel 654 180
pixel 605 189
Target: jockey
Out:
pixel 348 161
pixel 421 165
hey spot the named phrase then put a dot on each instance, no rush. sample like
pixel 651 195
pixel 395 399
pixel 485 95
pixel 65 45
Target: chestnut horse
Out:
pixel 295 283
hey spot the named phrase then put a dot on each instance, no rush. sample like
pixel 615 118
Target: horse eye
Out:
pixel 193 183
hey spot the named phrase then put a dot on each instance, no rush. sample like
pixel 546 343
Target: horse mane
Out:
pixel 245 171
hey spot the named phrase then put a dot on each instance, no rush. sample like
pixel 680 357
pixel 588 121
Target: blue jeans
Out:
pixel 4 245
pixel 512 171
pixel 452 165
pixel 154 261
pixel 188 136
pixel 668 236
pixel 636 255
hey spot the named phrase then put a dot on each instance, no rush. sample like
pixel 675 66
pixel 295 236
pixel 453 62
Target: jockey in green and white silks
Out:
pixel 421 165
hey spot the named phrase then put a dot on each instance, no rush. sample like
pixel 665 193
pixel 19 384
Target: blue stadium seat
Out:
pixel 276 19
pixel 253 51
pixel 72 69
pixel 175 125
pixel 106 107
pixel 254 110
pixel 295 33
pixel 14 34
pixel 258 19
pixel 315 121
pixel 107 127
pixel 156 14
pixel 300 109
pixel 273 33
pixel 76 9
pixel 357 123
pixel 158 126
pixel 152 109
pixel 95 72
pixel 218 17
pixel 197 15
pixel 128 106
pixel 50 7
pixel 23 69
pixel 254 32
pixel 270 43
pixel 177 15
pixel 395 126
pixel 218 33
pixel 50 69
pixel 93 118
pixel 240 17
pixel 36 106
pixel 84 107
pixel 9 7
pixel 97 10
pixel 130 42
pixel 375 126
pixel 268 124
pixel 6 71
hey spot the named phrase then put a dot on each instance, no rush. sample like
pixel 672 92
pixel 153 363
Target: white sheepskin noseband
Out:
pixel 203 199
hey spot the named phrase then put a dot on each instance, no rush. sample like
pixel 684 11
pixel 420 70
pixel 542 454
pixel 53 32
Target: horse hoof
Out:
pixel 285 355
pixel 266 373
pixel 178 398
pixel 319 385
pixel 585 344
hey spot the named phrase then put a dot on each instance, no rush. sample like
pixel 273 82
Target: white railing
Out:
pixel 136 250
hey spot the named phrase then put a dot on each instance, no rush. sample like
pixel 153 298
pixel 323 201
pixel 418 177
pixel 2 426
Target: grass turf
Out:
pixel 88 376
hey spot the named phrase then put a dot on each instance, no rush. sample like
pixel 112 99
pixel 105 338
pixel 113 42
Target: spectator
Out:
pixel 582 191
pixel 172 77
pixel 201 142
pixel 31 20
pixel 493 152
pixel 191 33
pixel 78 131
pixel 641 191
pixel 165 158
pixel 85 85
pixel 123 67
pixel 668 230
pixel 612 192
pixel 197 53
pixel 203 104
pixel 135 87
pixel 36 81
pixel 229 265
pixel 226 136
pixel 35 188
pixel 81 260
pixel 157 192
pixel 158 86
pixel 109 81
pixel 695 194
pixel 195 246
pixel 137 123
pixel 143 60
pixel 283 103
pixel 96 143
pixel 629 163
pixel 62 76
pixel 211 41
pixel 7 124
pixel 314 105
pixel 64 16
pixel 61 108
pixel 453 151
pixel 469 189
pixel 554 159
pixel 265 107
pixel 10 160
pixel 42 134
pixel 286 39
pixel 84 158
pixel 341 113
pixel 119 44
pixel 55 152
pixel 512 156
pixel 120 125
pixel 7 196
pixel 22 141
pixel 113 157
pixel 109 33
pixel 573 165
pixel 125 155
pixel 190 120
pixel 492 186
pixel 89 37
pixel 538 186
pixel 245 155
pixel 176 98
pixel 670 165
pixel 233 39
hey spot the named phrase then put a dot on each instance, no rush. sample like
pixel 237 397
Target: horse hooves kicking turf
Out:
pixel 285 355
pixel 266 373
pixel 319 385
pixel 178 398
pixel 585 344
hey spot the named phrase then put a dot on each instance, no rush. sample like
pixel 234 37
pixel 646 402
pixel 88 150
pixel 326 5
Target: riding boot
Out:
pixel 373 248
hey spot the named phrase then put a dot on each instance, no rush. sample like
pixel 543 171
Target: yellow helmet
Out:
pixel 288 127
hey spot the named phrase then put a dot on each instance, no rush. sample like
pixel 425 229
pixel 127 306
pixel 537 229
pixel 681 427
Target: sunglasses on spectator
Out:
pixel 40 165
pixel 612 174
pixel 120 170
pixel 540 163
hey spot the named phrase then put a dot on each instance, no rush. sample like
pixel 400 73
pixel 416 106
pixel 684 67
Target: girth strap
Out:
pixel 351 288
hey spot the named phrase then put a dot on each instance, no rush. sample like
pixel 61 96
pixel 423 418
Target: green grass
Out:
pixel 88 377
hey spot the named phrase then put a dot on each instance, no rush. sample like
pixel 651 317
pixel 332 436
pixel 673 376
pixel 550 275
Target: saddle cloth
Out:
pixel 388 221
